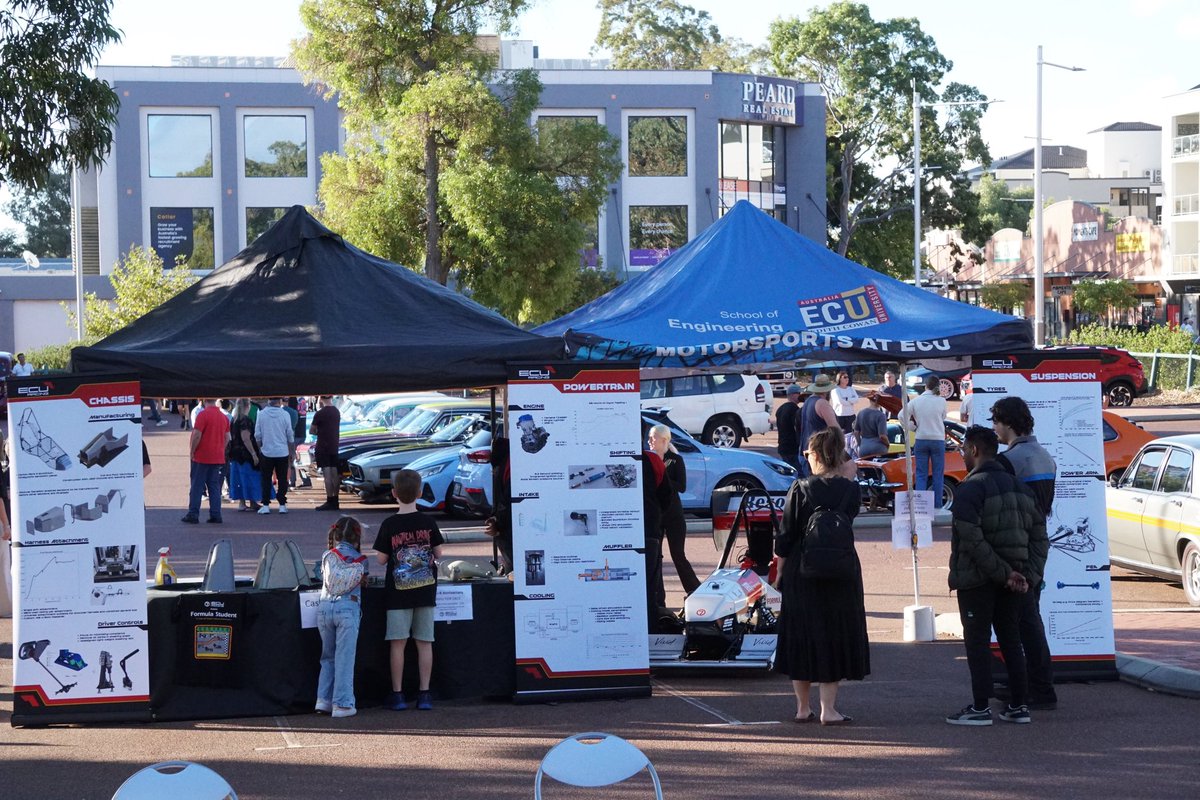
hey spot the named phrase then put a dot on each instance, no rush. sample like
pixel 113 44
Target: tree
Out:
pixel 1102 296
pixel 666 34
pixel 370 54
pixel 1004 296
pixel 51 112
pixel 46 214
pixel 442 168
pixel 515 205
pixel 9 245
pixel 140 284
pixel 867 69
pixel 999 207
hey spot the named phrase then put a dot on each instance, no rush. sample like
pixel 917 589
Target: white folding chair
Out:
pixel 181 779
pixel 594 759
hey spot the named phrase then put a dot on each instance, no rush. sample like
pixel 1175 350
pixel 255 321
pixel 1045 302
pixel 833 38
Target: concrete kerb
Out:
pixel 1159 677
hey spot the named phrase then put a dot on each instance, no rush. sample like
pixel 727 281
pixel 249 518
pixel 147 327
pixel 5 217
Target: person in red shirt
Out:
pixel 209 437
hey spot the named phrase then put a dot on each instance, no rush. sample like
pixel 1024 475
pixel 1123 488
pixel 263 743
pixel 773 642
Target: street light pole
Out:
pixel 916 187
pixel 1039 266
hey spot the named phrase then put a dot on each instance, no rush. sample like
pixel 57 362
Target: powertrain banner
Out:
pixel 578 540
pixel 79 540
pixel 1062 391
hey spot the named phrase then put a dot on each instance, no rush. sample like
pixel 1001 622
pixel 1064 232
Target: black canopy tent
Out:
pixel 301 311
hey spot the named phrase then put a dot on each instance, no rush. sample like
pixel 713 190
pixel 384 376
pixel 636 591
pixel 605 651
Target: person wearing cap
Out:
pixel 815 415
pixel 785 423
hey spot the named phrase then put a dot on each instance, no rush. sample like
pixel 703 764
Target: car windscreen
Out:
pixel 376 414
pixel 417 421
pixel 453 431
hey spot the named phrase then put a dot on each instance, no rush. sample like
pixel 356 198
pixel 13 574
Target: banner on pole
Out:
pixel 79 541
pixel 578 537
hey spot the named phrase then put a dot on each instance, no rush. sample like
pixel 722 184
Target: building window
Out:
pixel 655 232
pixel 657 147
pixel 183 235
pixel 259 219
pixel 179 145
pixel 751 157
pixel 275 146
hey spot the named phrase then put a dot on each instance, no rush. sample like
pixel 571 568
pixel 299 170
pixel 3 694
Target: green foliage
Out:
pixel 589 285
pixel 291 161
pixel 1099 296
pixel 867 69
pixel 998 209
pixel 53 357
pixel 1004 296
pixel 886 247
pixel 515 207
pixel 9 244
pixel 46 214
pixel 51 111
pixel 666 34
pixel 140 284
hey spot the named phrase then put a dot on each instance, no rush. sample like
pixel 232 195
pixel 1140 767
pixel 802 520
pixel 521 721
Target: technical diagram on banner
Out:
pixel 578 538
pixel 1063 395
pixel 79 612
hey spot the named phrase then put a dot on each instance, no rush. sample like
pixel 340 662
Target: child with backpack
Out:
pixel 823 622
pixel 343 576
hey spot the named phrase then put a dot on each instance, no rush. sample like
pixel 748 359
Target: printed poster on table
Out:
pixel 1063 394
pixel 79 541
pixel 578 540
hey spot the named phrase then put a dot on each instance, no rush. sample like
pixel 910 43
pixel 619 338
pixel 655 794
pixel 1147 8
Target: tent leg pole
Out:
pixel 908 477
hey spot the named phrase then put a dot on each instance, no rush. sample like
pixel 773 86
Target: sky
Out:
pixel 1134 52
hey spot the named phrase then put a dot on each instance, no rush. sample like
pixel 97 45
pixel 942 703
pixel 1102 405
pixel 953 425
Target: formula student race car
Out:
pixel 731 619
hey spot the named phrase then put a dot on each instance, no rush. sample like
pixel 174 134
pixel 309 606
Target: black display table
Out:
pixel 244 654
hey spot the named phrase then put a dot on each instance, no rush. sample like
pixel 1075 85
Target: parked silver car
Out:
pixel 1153 509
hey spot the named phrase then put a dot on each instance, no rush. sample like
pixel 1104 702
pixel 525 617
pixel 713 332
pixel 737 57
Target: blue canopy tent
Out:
pixel 749 292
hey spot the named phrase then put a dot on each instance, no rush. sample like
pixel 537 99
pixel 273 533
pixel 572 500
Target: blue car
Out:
pixel 437 470
pixel 708 469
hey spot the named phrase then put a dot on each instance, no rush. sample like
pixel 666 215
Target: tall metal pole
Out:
pixel 1039 277
pixel 76 249
pixel 916 187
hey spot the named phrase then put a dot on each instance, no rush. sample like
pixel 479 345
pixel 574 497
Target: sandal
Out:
pixel 845 720
pixel 812 717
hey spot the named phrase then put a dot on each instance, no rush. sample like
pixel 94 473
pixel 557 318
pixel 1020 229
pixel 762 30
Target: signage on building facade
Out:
pixel 1085 231
pixel 766 100
pixel 1132 243
pixel 1007 251
pixel 171 233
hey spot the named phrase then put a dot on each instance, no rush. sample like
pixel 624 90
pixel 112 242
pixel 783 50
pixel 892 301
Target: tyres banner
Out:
pixel 1062 390
pixel 578 538
pixel 79 540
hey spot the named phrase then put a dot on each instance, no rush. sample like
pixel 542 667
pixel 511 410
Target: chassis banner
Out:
pixel 578 537
pixel 1062 391
pixel 79 541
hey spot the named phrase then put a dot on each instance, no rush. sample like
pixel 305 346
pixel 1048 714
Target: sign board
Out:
pixel 79 541
pixel 767 100
pixel 1085 231
pixel 579 586
pixel 1132 243
pixel 1063 394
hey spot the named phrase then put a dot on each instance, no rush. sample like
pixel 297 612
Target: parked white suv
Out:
pixel 720 410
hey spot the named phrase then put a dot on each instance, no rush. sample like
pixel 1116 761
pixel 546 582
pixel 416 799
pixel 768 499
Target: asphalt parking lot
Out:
pixel 714 735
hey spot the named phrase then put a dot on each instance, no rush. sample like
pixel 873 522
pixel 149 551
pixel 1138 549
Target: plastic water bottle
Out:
pixel 164 573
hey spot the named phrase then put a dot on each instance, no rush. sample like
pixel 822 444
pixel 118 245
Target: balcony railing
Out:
pixel 1186 263
pixel 1187 204
pixel 1187 145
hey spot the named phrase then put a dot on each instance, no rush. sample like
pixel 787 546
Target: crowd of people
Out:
pixel 998 548
pixel 249 446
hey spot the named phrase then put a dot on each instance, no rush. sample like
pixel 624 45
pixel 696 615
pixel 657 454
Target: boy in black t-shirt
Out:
pixel 410 544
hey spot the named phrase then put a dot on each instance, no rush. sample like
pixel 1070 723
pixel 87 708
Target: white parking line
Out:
pixel 725 718
pixel 289 737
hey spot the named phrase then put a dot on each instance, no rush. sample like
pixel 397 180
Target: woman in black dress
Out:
pixel 673 523
pixel 823 624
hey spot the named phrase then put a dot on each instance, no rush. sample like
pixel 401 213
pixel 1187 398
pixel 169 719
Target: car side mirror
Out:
pixel 1114 480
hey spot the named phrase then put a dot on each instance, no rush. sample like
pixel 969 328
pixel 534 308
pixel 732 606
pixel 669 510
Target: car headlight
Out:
pixel 786 470
pixel 429 472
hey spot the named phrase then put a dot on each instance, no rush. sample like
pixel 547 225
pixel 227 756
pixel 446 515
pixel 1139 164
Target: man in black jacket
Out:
pixel 998 549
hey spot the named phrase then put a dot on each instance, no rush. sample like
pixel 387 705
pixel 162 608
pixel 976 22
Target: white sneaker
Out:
pixel 283 510
pixel 264 509
pixel 324 707
pixel 342 711
pixel 161 422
